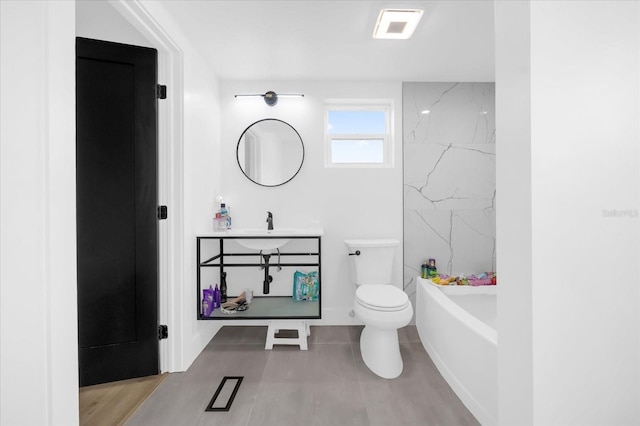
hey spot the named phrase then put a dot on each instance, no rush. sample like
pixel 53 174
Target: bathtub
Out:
pixel 457 327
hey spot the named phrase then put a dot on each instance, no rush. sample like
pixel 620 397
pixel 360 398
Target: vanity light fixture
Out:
pixel 397 23
pixel 271 97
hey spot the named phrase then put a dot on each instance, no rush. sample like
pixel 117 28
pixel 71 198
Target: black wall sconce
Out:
pixel 271 97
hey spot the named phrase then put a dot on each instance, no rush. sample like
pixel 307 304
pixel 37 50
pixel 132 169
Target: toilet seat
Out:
pixel 382 298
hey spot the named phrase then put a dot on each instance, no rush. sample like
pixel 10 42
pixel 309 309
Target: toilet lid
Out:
pixel 382 297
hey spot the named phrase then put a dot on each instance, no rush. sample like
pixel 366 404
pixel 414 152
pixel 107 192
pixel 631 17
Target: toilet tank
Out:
pixel 375 263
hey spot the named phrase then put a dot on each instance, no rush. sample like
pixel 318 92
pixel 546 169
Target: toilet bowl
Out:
pixel 379 344
pixel 382 307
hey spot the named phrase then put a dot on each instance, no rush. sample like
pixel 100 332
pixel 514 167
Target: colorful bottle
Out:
pixel 432 271
pixel 424 270
pixel 223 219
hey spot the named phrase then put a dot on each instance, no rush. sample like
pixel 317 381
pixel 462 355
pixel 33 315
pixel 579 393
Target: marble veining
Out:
pixel 459 176
pixel 449 177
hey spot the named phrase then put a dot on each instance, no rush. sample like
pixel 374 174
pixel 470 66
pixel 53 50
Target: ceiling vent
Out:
pixel 397 23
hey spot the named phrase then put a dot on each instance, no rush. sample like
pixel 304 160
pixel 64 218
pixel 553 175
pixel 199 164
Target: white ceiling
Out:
pixel 331 39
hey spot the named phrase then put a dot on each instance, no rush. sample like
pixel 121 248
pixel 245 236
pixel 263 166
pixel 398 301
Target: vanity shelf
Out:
pixel 229 252
pixel 272 307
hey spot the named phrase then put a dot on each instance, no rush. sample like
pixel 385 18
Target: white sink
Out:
pixel 270 243
pixel 272 238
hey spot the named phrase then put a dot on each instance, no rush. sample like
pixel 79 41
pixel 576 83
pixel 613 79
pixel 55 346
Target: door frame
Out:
pixel 170 180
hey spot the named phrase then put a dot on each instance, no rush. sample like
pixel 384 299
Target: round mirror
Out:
pixel 270 152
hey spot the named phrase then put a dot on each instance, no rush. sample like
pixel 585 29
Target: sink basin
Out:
pixel 270 240
pixel 270 243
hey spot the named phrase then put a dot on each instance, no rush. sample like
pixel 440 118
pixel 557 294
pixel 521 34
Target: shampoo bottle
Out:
pixel 206 308
pixel 424 270
pixel 223 220
pixel 207 301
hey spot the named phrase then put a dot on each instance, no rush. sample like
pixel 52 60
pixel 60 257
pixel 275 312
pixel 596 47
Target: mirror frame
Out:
pixel 238 151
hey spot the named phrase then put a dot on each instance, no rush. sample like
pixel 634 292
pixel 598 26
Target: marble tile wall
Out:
pixel 449 178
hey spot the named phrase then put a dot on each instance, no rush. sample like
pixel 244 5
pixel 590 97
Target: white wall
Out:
pixel 348 203
pixel 513 213
pixel 100 21
pixel 579 243
pixel 38 323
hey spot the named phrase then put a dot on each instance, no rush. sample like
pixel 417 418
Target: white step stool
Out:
pixel 276 326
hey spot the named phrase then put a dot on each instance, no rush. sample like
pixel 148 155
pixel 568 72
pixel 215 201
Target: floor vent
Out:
pixel 226 392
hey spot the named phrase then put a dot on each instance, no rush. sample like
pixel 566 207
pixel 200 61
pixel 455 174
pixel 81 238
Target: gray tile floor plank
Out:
pixel 329 334
pixel 419 396
pixel 306 403
pixel 321 363
pixel 327 385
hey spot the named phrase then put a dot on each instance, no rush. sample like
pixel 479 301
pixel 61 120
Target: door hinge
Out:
pixel 162 212
pixel 163 332
pixel 161 91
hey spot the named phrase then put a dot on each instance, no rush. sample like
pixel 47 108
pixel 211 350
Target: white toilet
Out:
pixel 382 307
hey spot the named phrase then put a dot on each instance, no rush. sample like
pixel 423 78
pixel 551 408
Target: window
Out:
pixel 358 134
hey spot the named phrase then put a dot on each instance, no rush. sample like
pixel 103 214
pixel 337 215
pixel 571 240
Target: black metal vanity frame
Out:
pixel 219 261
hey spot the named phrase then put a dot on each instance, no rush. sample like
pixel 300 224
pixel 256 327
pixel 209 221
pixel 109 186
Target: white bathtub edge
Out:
pixel 427 289
pixel 486 332
pixel 465 396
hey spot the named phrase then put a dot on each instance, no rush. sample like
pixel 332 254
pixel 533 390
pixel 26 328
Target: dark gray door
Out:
pixel 117 230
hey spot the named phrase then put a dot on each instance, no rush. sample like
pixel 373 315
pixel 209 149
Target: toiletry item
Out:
pixel 248 295
pixel 206 308
pixel 228 219
pixel 431 268
pixel 424 270
pixel 207 301
pixel 223 287
pixel 305 286
pixel 223 219
pixel 216 297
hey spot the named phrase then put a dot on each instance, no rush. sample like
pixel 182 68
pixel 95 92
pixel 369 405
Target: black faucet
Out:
pixel 269 221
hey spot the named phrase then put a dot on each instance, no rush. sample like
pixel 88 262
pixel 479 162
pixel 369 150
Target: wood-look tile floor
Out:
pixel 110 404
pixel 327 385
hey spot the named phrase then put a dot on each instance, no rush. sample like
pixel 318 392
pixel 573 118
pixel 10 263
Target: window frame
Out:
pixel 385 105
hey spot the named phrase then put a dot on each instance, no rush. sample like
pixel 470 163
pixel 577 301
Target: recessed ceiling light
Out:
pixel 397 23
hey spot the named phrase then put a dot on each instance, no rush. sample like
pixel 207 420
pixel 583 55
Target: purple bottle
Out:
pixel 207 301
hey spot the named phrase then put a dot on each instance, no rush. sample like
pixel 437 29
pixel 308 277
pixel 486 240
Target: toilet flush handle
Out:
pixel 357 253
